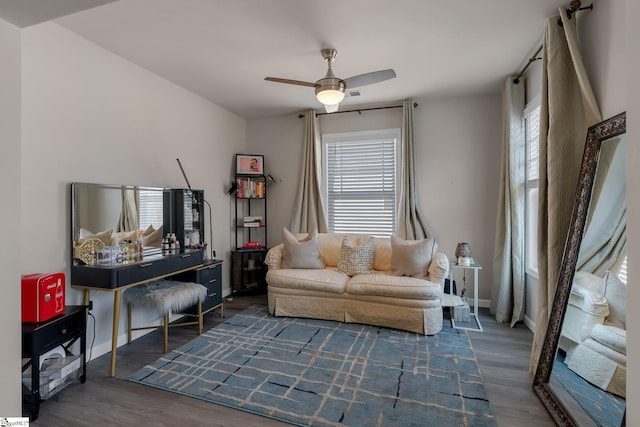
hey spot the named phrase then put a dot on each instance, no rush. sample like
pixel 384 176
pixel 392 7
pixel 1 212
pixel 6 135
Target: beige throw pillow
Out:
pixel 153 238
pixel 411 258
pixel 356 255
pixel 615 292
pixel 103 236
pixel 300 253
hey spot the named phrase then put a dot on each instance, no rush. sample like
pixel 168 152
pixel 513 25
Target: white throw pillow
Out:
pixel 356 255
pixel 300 253
pixel 411 258
pixel 615 293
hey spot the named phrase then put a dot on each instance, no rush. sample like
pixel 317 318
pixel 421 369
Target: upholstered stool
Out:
pixel 168 296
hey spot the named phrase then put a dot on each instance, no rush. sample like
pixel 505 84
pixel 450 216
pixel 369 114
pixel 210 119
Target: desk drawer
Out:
pixel 53 333
pixel 146 270
pixel 209 275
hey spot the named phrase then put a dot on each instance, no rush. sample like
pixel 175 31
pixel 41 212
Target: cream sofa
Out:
pixel 594 334
pixel 380 297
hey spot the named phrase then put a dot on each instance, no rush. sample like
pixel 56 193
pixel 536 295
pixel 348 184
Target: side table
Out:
pixel 474 314
pixel 38 338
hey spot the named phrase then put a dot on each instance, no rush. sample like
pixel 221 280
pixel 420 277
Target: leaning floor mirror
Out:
pixel 581 374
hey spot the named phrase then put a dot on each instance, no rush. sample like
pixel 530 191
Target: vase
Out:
pixel 463 250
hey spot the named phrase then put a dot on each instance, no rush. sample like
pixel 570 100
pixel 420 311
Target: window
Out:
pixel 360 181
pixel 532 129
pixel 151 210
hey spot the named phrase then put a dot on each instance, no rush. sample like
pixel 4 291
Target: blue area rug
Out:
pixel 325 373
pixel 605 409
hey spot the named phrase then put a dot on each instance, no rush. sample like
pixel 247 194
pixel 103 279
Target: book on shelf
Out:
pixel 250 188
pixel 252 221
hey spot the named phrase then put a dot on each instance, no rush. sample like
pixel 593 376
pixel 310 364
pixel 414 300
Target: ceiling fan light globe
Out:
pixel 329 96
pixel 331 108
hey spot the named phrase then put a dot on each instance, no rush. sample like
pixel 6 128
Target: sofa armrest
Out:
pixel 588 301
pixel 273 259
pixel 439 268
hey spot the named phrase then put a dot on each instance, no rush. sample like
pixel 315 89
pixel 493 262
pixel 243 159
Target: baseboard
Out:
pixel 105 347
pixel 529 323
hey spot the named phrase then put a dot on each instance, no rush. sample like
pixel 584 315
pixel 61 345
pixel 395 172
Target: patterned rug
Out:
pixel 325 373
pixel 605 409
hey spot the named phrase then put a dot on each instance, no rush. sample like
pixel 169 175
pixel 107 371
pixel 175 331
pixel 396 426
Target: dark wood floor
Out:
pixel 502 353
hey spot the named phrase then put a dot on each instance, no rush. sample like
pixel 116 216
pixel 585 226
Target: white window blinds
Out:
pixel 360 180
pixel 150 208
pixel 532 123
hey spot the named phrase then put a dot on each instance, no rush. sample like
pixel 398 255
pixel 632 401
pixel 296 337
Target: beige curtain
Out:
pixel 604 242
pixel 507 289
pixel 309 210
pixel 410 222
pixel 128 220
pixel 567 109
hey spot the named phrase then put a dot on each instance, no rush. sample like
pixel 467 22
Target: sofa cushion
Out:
pixel 300 253
pixel 356 255
pixel 411 257
pixel 615 292
pixel 326 279
pixel 393 286
pixel 610 336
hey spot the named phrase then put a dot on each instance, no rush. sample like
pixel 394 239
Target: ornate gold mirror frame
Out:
pixel 595 136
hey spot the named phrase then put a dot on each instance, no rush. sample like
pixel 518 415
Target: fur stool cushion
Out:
pixel 166 295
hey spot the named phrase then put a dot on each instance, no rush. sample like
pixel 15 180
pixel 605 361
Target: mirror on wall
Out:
pixel 97 208
pixel 581 374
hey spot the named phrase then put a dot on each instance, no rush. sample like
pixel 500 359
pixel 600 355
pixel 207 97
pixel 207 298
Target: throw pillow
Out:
pixel 103 236
pixel 615 292
pixel 300 253
pixel 411 258
pixel 123 235
pixel 356 255
pixel 152 239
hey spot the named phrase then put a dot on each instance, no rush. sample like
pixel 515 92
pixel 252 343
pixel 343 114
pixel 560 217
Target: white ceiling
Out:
pixel 223 49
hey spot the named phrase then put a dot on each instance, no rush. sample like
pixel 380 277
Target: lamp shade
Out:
pixel 330 96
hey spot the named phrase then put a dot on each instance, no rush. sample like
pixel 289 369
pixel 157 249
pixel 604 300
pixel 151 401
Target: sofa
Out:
pixel 594 335
pixel 388 282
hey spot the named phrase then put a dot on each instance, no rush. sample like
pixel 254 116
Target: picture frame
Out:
pixel 249 164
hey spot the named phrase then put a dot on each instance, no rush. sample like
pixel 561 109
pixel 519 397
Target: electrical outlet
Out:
pixel 90 305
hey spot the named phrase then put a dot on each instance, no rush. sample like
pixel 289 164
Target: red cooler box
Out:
pixel 42 296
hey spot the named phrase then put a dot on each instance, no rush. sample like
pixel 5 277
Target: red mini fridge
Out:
pixel 42 296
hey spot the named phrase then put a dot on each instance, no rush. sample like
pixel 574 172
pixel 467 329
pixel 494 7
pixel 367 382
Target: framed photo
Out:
pixel 249 164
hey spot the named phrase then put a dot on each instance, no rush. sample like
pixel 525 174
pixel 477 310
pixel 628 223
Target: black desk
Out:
pixel 118 277
pixel 39 338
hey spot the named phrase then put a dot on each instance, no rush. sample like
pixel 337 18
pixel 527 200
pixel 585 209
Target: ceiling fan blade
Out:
pixel 369 78
pixel 289 81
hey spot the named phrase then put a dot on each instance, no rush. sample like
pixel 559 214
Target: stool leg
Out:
pixel 166 332
pixel 129 323
pixel 200 317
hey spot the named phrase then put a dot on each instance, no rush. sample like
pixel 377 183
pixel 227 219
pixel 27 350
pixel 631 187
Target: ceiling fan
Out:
pixel 330 89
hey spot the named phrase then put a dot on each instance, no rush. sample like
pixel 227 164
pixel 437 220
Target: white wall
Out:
pixel 91 116
pixel 10 314
pixel 457 148
pixel 631 64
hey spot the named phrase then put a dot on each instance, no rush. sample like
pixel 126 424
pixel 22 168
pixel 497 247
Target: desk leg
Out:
pixel 117 299
pixel 85 297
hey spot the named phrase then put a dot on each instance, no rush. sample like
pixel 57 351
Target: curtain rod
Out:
pixel 534 58
pixel 360 110
pixel 574 6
